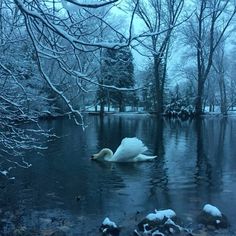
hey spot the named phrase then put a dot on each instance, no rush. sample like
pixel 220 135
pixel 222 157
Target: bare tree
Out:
pixel 65 44
pixel 159 18
pixel 204 33
pixel 64 38
pixel 19 128
pixel 232 81
pixel 220 67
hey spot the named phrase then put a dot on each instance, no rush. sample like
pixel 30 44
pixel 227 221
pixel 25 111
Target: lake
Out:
pixel 64 189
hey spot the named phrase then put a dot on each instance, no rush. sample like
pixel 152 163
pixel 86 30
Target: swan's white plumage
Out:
pixel 130 150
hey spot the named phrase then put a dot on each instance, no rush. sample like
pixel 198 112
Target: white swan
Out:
pixel 130 150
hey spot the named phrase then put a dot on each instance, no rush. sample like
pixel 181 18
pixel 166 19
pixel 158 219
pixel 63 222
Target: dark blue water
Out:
pixel 64 189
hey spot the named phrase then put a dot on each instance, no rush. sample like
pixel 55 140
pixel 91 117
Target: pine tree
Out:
pixel 117 70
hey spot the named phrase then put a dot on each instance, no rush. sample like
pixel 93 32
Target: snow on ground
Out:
pixel 131 113
pixel 217 111
pixel 114 109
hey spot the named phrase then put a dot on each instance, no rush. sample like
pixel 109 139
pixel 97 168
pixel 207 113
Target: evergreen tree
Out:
pixel 117 70
pixel 150 95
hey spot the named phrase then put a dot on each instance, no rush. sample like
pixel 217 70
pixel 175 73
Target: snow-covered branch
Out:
pixel 58 29
pixel 19 128
pixel 92 4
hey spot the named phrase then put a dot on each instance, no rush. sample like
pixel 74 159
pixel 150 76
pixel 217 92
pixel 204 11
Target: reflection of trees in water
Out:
pixel 159 192
pixel 231 136
pixel 178 128
pixel 113 129
pixel 171 134
pixel 203 168
pixel 210 161
pixel 67 171
pixel 99 126
pixel 218 158
pixel 110 185
pixel 157 134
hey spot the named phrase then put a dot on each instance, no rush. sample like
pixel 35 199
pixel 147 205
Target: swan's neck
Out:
pixel 105 154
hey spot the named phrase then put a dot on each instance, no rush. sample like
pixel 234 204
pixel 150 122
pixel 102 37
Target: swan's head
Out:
pixel 105 153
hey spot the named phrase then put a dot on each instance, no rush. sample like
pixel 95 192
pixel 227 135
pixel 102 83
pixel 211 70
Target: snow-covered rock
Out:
pixel 108 222
pixel 158 220
pixel 212 216
pixel 212 210
pixel 109 227
pixel 4 172
pixel 160 215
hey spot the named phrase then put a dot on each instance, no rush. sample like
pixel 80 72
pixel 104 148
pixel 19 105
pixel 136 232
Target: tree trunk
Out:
pixel 158 85
pixel 198 103
pixel 102 105
pixel 102 102
pixel 212 107
pixel 108 101
pixel 121 106
pixel 223 97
